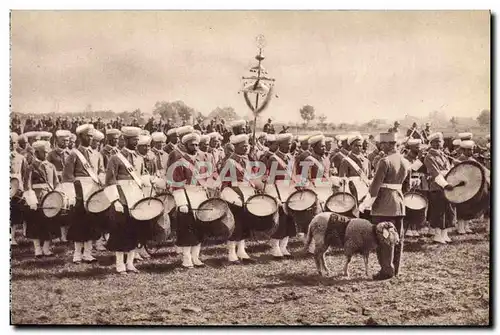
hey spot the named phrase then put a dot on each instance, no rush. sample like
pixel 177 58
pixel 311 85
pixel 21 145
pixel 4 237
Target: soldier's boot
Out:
pixel 445 236
pixel 38 248
pixel 13 236
pixel 77 253
pixel 87 252
pixel 130 262
pixel 195 255
pixel 120 263
pixel 242 253
pixel 64 234
pixel 232 257
pixel 438 237
pixel 275 248
pixel 187 261
pixel 46 248
pixel 283 247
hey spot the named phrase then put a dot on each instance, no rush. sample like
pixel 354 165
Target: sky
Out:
pixel 350 65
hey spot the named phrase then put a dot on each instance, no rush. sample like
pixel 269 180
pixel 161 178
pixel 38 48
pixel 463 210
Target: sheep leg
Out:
pixel 319 254
pixel 348 258
pixel 365 258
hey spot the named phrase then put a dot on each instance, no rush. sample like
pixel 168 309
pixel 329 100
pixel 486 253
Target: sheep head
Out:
pixel 387 233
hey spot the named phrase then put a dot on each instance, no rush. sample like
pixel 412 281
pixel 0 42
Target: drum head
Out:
pixel 98 202
pixel 168 201
pixel 261 205
pixel 472 174
pixel 415 201
pixel 230 196
pixel 52 203
pixel 147 209
pixel 211 210
pixel 341 203
pixel 301 200
pixel 14 186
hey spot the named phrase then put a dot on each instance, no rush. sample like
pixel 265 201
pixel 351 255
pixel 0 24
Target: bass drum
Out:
pixel 52 204
pixel 343 203
pixel 147 209
pixel 303 206
pixel 416 207
pixel 212 215
pixel 263 212
pixel 472 195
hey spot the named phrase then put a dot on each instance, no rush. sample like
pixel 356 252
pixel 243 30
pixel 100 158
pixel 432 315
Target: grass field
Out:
pixel 438 285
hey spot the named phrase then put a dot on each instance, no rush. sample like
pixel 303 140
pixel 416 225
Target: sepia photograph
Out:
pixel 241 168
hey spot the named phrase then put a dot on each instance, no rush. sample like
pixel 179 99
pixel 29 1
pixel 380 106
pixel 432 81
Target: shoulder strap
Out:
pixel 130 169
pixel 358 170
pixel 241 170
pixel 318 163
pixel 86 165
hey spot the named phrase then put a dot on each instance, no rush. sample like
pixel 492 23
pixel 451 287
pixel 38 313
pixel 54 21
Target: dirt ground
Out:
pixel 438 285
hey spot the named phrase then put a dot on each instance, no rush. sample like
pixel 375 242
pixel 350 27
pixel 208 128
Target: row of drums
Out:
pixel 212 209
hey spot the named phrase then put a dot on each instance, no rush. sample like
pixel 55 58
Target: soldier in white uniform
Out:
pixel 18 166
pixel 124 234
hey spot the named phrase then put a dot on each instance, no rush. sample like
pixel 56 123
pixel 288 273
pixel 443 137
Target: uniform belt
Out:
pixel 418 174
pixel 396 187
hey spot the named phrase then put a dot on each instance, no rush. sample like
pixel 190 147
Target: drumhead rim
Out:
pixel 481 187
pixel 419 195
pixel 45 197
pixel 265 196
pixel 339 193
pixel 90 197
pixel 143 200
pixel 301 191
pixel 212 199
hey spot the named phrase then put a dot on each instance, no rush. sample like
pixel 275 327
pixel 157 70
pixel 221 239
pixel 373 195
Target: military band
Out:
pixel 129 165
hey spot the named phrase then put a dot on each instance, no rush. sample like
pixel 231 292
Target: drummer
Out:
pixel 172 140
pixel 302 152
pixel 189 237
pixel 83 229
pixel 279 171
pixel 417 172
pixel 355 165
pixel 22 145
pixel 72 141
pixel 149 173
pixel 442 213
pixel 40 178
pixel 178 149
pixel 143 149
pixel 158 140
pixel 336 159
pixel 235 166
pixel 18 166
pixel 272 145
pixel 124 235
pixel 456 148
pixel 58 158
pixel 386 201
pixel 215 149
pixel 467 147
pixel 111 147
pixel 97 162
pixel 316 165
pixel 261 147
